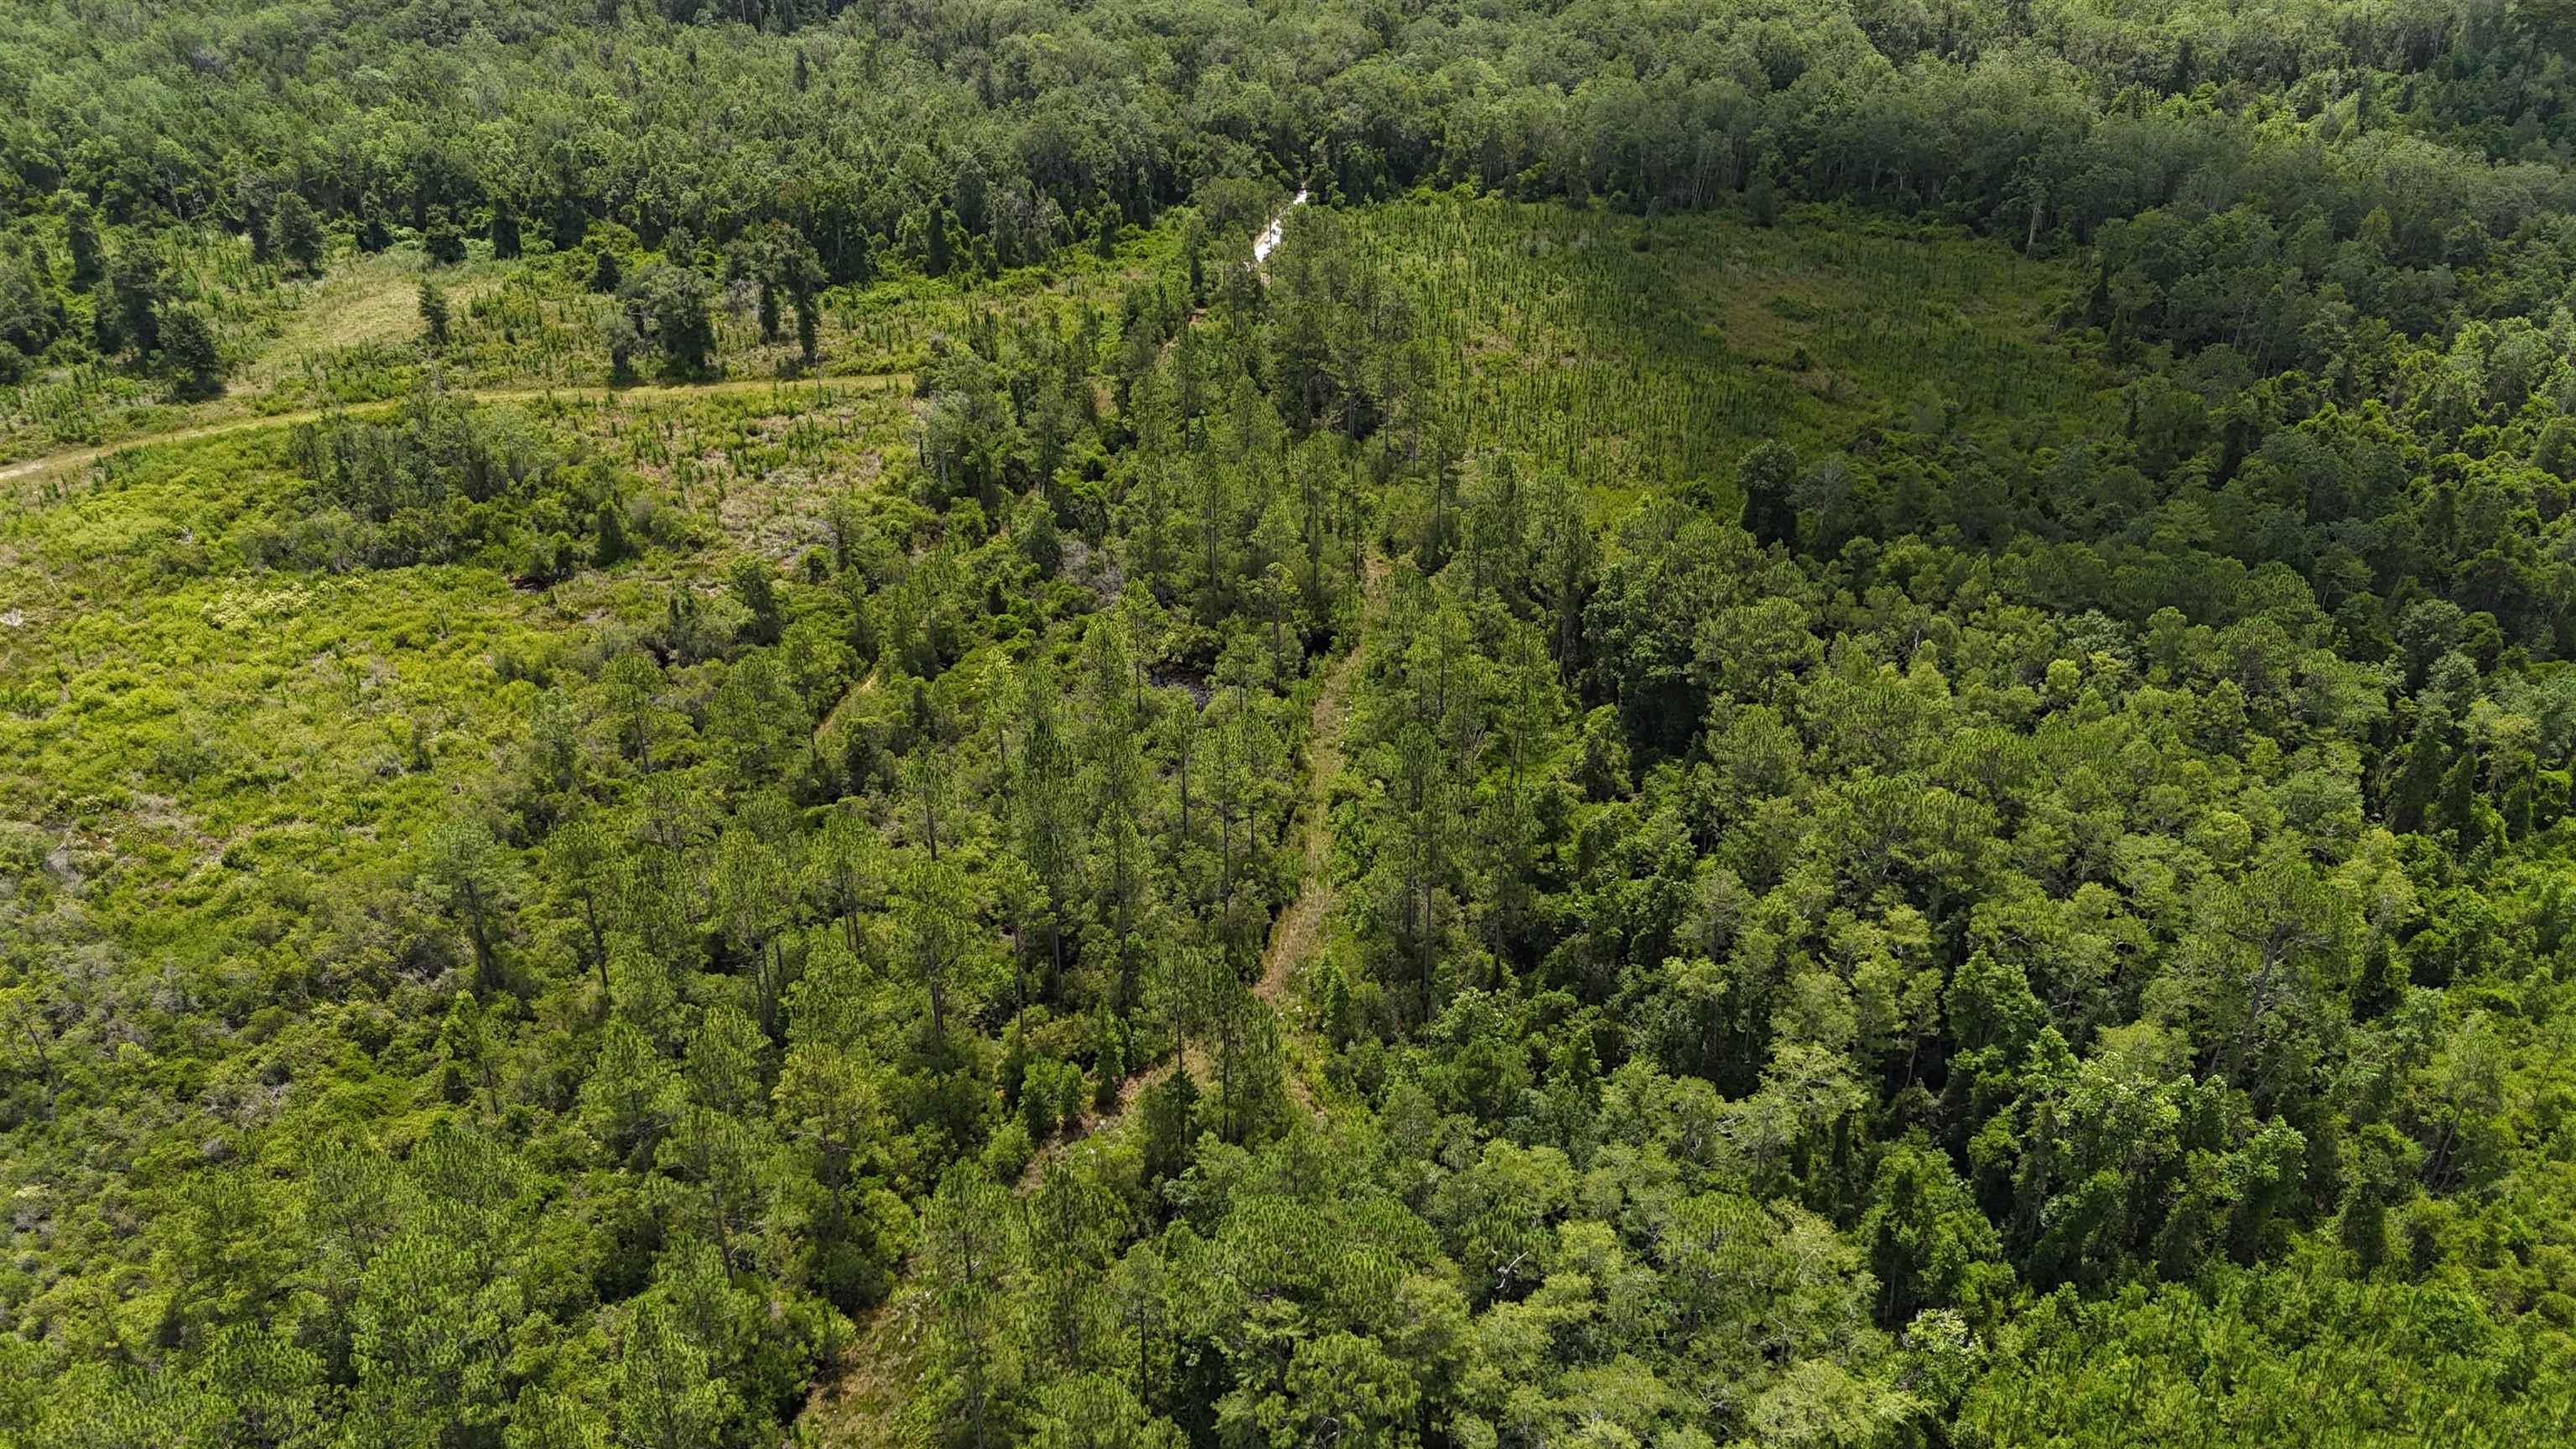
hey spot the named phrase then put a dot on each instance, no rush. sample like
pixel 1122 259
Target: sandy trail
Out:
pixel 79 457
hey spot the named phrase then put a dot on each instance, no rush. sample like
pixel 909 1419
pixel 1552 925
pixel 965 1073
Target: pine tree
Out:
pixel 933 913
pixel 443 242
pixel 1042 797
pixel 80 231
pixel 681 324
pixel 808 327
pixel 299 232
pixel 188 347
pixel 465 869
pixel 801 272
pixel 609 544
pixel 1762 193
pixel 262 230
pixel 585 859
pixel 666 1394
pixel 138 289
pixel 433 313
pixel 935 258
pixel 1766 478
pixel 624 344
pixel 504 230
pixel 1170 1109
pixel 971 1256
pixel 764 263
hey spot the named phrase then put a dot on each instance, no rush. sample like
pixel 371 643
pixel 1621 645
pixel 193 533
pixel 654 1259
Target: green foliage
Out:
pixel 80 233
pixel 433 314
pixel 297 231
pixel 138 289
pixel 443 243
pixel 1844 729
pixel 188 347
pixel 668 303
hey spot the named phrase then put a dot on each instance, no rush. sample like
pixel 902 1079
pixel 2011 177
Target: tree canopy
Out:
pixel 1832 725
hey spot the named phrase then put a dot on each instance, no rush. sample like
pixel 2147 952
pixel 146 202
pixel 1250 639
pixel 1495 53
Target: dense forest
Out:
pixel 1149 725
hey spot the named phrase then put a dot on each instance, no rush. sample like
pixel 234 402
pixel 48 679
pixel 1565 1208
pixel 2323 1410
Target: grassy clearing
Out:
pixel 180 730
pixel 353 335
pixel 1805 332
pixel 171 716
pixel 200 736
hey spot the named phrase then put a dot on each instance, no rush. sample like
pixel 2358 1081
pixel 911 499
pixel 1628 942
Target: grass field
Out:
pixel 180 730
pixel 283 708
pixel 1805 332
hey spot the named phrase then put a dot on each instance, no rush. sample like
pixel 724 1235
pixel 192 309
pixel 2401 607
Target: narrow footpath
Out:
pixel 80 457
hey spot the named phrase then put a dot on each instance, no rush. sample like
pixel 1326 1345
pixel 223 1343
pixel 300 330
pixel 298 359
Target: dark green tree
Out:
pixel 80 234
pixel 935 241
pixel 138 288
pixel 188 349
pixel 678 299
pixel 298 232
pixel 443 243
pixel 433 313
